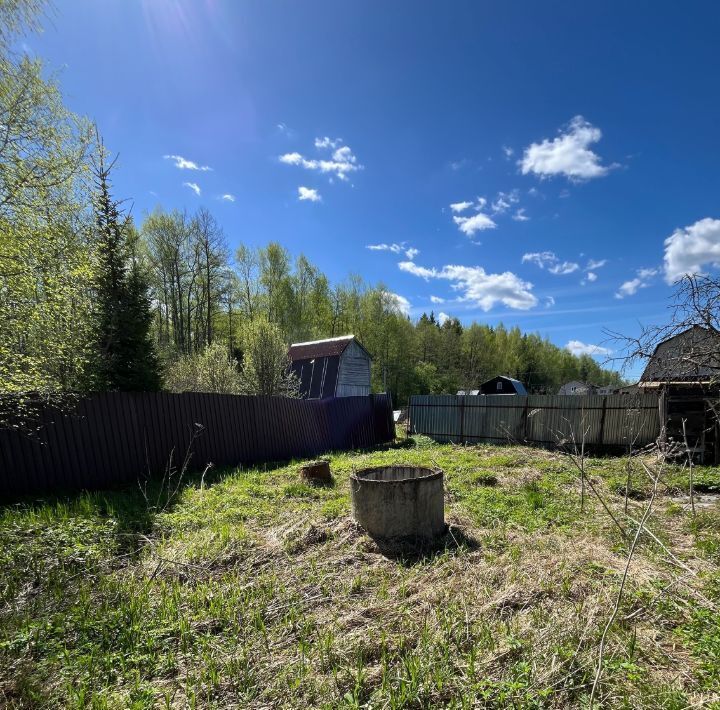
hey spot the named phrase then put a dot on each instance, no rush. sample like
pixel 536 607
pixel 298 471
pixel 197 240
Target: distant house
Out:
pixel 685 371
pixel 502 385
pixel 336 367
pixel 610 389
pixel 472 392
pixel 577 387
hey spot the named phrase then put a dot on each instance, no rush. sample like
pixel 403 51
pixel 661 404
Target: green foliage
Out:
pixel 266 366
pixel 266 283
pixel 212 370
pixel 44 145
pixel 125 356
pixel 45 268
pixel 17 17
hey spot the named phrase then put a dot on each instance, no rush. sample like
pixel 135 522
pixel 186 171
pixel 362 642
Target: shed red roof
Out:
pixel 320 348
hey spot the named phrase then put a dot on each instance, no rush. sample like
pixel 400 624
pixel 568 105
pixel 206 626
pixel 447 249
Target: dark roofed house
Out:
pixel 692 356
pixel 335 367
pixel 503 385
pixel 685 371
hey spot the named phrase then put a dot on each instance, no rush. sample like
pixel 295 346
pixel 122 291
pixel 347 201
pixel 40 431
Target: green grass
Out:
pixel 253 589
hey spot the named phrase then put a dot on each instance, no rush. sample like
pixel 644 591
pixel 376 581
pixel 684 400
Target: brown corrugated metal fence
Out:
pixel 116 437
pixel 610 421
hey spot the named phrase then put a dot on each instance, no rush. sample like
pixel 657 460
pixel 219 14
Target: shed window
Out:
pixel 498 386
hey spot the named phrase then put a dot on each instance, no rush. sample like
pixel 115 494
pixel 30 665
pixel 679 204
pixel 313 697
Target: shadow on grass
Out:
pixel 320 483
pixel 416 550
pixel 133 507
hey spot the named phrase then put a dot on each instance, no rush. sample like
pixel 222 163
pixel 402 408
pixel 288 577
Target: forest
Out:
pixel 95 298
pixel 201 293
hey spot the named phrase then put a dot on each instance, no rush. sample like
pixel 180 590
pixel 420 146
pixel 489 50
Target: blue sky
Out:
pixel 547 165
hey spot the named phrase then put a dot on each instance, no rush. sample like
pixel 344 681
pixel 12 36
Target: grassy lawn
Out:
pixel 253 590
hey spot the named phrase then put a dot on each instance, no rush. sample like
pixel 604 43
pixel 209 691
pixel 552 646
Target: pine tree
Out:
pixel 126 358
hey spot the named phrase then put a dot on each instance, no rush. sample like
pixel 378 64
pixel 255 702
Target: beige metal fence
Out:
pixel 604 421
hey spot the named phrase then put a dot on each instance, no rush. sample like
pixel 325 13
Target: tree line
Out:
pixel 89 300
pixel 202 293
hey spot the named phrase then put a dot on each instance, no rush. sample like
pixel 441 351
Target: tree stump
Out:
pixel 316 472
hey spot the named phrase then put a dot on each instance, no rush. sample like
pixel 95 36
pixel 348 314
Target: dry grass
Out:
pixel 259 591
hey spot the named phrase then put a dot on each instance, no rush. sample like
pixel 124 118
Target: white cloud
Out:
pixel 504 201
pixel 549 302
pixel 436 299
pixel 412 268
pixel 595 264
pixel 291 158
pixel 508 151
pixel 520 215
pixel 689 249
pixel 442 317
pixel 342 161
pixel 228 197
pixel 541 258
pixel 469 224
pixel 548 260
pixel 394 248
pixel 476 223
pixel 478 287
pixel 410 252
pixel 194 187
pixel 577 347
pixel 569 154
pixel 590 275
pixel 631 287
pixel 563 267
pixel 327 142
pixel 185 164
pixel 401 303
pixel 308 193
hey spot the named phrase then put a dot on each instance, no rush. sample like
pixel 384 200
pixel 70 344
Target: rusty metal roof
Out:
pixel 320 348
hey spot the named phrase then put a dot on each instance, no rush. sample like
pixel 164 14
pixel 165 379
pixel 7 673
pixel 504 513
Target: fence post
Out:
pixel 390 416
pixel 663 416
pixel 462 419
pixel 525 421
pixel 602 420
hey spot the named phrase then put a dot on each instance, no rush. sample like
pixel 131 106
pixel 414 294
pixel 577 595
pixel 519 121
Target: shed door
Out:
pixel 331 372
pixel 317 375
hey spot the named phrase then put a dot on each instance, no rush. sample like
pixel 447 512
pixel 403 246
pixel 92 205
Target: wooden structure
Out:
pixel 685 371
pixel 336 367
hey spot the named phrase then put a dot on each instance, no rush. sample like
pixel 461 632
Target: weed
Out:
pixel 252 589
